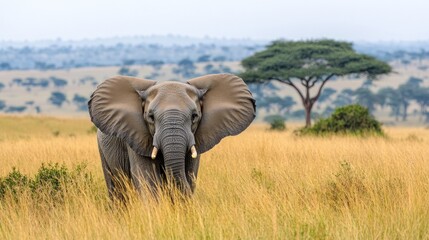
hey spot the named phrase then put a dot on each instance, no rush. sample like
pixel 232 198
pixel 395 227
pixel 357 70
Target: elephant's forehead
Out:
pixel 170 88
pixel 174 94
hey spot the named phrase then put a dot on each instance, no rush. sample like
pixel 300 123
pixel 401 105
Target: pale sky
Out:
pixel 353 20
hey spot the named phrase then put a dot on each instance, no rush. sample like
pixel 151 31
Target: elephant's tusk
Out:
pixel 194 152
pixel 154 152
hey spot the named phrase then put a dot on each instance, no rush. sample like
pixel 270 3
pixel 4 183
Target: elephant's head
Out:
pixel 179 119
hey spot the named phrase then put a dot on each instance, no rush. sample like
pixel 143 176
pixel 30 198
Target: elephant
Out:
pixel 152 132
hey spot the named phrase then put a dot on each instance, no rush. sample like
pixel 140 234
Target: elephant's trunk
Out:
pixel 174 143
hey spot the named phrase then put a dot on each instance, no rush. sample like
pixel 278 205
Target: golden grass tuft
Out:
pixel 258 185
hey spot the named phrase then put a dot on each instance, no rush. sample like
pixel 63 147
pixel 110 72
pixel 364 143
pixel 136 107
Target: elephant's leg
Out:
pixel 115 163
pixel 106 173
pixel 145 172
pixel 192 166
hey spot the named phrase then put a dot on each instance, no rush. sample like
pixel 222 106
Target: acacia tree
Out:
pixel 390 97
pixel 310 64
pixel 422 98
pixel 365 97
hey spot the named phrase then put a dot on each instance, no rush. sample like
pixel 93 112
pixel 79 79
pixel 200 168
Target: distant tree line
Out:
pixel 56 98
pixel 397 101
pixel 66 57
pixel 184 69
pixel 404 56
pixel 122 54
pixel 39 82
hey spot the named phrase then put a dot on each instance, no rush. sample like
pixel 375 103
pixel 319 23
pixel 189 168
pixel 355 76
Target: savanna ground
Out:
pixel 258 185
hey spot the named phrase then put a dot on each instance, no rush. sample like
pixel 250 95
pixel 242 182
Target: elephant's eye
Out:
pixel 194 117
pixel 151 117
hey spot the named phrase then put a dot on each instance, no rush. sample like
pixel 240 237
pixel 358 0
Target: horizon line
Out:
pixel 198 38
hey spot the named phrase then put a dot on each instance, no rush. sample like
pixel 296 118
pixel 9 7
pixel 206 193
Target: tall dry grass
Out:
pixel 258 185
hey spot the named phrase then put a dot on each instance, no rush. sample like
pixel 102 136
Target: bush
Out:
pixel 276 122
pixel 51 180
pixel 351 119
pixel 15 183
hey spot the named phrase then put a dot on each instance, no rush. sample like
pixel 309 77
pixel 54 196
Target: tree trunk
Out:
pixel 405 113
pixel 422 112
pixel 308 115
pixel 397 113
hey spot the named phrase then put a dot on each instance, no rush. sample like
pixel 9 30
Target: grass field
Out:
pixel 258 185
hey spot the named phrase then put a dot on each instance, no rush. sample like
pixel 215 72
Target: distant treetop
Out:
pixel 283 60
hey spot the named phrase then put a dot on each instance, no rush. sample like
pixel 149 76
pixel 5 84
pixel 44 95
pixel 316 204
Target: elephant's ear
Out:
pixel 116 109
pixel 227 108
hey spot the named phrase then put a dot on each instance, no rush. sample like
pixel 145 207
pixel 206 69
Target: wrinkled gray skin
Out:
pixel 170 113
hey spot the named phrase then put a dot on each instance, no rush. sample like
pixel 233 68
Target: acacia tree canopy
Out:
pixel 309 63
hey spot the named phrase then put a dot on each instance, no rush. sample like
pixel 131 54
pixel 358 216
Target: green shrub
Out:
pixel 51 180
pixel 351 119
pixel 276 122
pixel 15 183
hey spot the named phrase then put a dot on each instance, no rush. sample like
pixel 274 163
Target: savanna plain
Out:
pixel 259 185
